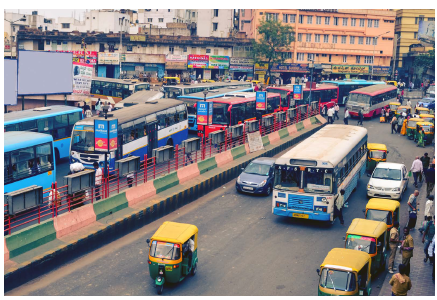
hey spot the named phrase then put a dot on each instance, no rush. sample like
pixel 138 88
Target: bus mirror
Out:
pixel 148 241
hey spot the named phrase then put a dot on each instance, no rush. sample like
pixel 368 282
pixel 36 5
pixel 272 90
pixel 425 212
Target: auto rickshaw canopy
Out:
pixel 368 228
pixel 383 204
pixel 431 125
pixel 172 232
pixel 375 146
pixel 404 106
pixel 395 103
pixel 424 116
pixel 419 109
pixel 348 258
pixel 413 120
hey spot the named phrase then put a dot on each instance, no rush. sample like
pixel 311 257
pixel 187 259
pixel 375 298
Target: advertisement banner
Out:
pixel 261 67
pixel 176 62
pixel 79 56
pixel 196 61
pixel 203 111
pixel 302 68
pixel 207 74
pixel 242 61
pixel 241 68
pixel 113 132
pixel 108 58
pixel 218 62
pixel 261 100
pixel 101 135
pixel 381 70
pixel 346 69
pixel 297 92
pixel 82 77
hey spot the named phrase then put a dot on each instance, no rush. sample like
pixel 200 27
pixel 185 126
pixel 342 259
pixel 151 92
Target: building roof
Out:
pixel 348 258
pixel 141 97
pixel 173 232
pixel 31 114
pixel 374 90
pixel 368 228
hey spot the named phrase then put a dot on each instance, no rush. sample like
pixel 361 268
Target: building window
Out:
pixel 216 52
pixel 299 37
pixel 368 59
pixel 292 18
pixel 368 40
pixel 344 21
pixel 65 25
pixel 369 23
pixel 310 56
pixel 353 22
pixel 420 18
pixel 361 22
pixel 334 39
pixel 193 14
pixel 317 38
pixel 352 40
pixel 169 10
pixel 160 20
pixel 376 23
pixel 270 16
pixel 431 19
pixel 318 20
pixel 327 19
pixel 214 26
pixel 215 12
pixel 171 49
pixel 308 37
pixel 326 38
pixel 243 11
pixel 343 39
pixel 345 58
pixel 309 19
pixel 375 41
pixel 330 57
pixel 358 59
pixel 129 48
pixel 398 20
pixel 193 50
pixel 300 57
pixel 336 21
pixel 324 55
pixel 300 19
pixel 415 35
pixel 150 20
pixel 47 42
pixel 360 40
pixel 284 18
pixel 185 49
pixel 208 51
pixel 286 55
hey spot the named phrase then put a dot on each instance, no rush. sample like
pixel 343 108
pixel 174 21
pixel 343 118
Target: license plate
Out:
pixel 302 216
pixel 168 268
pixel 248 188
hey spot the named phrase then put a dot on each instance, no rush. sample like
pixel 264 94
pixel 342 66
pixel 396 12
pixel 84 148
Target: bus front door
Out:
pixel 152 134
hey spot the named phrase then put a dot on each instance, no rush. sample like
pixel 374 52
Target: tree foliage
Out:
pixel 274 38
pixel 425 60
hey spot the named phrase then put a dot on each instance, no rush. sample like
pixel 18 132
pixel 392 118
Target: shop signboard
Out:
pixel 176 62
pixel 242 61
pixel 82 77
pixel 381 70
pixel 261 100
pixel 349 69
pixel 108 58
pixel 261 68
pixel 241 68
pixel 302 68
pixel 196 61
pixel 218 62
pixel 79 56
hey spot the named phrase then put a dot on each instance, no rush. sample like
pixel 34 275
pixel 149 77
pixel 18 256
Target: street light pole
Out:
pixel 121 41
pixel 395 57
pixel 311 66
pixel 374 44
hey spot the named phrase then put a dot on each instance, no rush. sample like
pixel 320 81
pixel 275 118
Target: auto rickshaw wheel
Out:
pixel 194 269
pixel 160 289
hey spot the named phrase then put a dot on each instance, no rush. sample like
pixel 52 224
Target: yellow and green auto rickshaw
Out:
pixel 383 210
pixel 428 131
pixel 394 106
pixel 428 118
pixel 345 272
pixel 172 253
pixel 375 154
pixel 421 110
pixel 411 127
pixel 368 236
pixel 403 108
pixel 171 80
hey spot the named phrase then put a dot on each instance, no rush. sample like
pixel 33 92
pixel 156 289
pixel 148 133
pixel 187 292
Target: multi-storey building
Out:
pixel 342 43
pixel 160 17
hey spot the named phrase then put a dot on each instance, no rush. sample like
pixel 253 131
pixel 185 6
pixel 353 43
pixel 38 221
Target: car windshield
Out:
pixel 361 243
pixel 387 174
pixel 165 250
pixel 359 98
pixel 378 154
pixel 425 100
pixel 83 138
pixel 257 169
pixel 379 215
pixel 338 280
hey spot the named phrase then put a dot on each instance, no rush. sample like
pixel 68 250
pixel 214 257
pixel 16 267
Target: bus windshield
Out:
pixel 315 180
pixel 359 98
pixel 165 250
pixel 338 280
pixel 83 138
pixel 287 178
pixel 140 87
pixel 282 93
pixel 172 92
pixel 220 114
pixel 379 215
pixel 361 243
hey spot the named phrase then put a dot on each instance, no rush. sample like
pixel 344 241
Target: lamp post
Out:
pixel 395 57
pixel 205 92
pixel 120 21
pixel 10 36
pixel 374 44
pixel 311 66
pixel 105 109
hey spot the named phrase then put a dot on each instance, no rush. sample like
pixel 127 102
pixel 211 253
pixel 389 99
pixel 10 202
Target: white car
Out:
pixel 388 180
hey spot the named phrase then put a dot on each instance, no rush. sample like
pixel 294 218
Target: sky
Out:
pixel 52 13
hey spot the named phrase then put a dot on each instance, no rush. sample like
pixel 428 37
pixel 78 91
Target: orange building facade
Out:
pixel 340 42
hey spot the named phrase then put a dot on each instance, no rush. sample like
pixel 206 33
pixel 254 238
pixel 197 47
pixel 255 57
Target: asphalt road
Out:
pixel 243 248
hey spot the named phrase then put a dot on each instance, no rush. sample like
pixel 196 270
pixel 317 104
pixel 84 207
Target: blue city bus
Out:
pixel 347 85
pixel 192 99
pixel 141 128
pixel 56 120
pixel 28 160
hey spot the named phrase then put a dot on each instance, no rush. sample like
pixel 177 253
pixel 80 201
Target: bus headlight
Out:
pixel 320 208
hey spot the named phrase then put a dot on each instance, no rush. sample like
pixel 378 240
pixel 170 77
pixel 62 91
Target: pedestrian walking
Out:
pixel 331 112
pixel 338 207
pixel 400 282
pixel 407 248
pixel 387 115
pixel 346 116
pixel 337 109
pixel 429 179
pixel 324 110
pixel 393 124
pixel 360 117
pixel 416 169
pixel 412 209
pixel 394 241
pixel 431 254
pixel 98 180
pixel 429 207
pixel 409 102
pixel 400 122
pixel 428 234
pixel 426 160
pixel 98 106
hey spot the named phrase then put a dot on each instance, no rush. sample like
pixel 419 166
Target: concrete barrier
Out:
pixel 299 126
pixel 283 133
pixel 104 208
pixel 238 152
pixel 265 140
pixel 307 123
pixel 207 165
pixel 225 157
pixel 187 173
pixel 292 129
pixel 74 220
pixel 30 238
pixel 321 119
pixel 274 137
pixel 166 182
pixel 139 193
pixel 6 251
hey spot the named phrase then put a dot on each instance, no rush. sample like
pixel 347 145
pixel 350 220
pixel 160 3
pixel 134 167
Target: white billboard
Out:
pixel 42 73
pixel 11 84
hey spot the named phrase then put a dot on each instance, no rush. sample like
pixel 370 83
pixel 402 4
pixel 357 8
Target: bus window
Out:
pixel 238 113
pixel 44 157
pixel 22 162
pixel 12 127
pixel 7 167
pixel 73 118
pixel 45 125
pixel 220 114
pixel 250 110
pixel 29 126
pixel 61 127
pixel 161 116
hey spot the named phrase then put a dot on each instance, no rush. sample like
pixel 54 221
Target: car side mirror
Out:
pixel 318 271
pixel 148 241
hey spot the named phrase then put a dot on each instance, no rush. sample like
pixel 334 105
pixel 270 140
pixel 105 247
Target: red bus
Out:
pixel 324 94
pixel 371 99
pixel 236 110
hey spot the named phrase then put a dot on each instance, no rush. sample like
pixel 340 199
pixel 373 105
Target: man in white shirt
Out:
pixel 337 109
pixel 346 117
pixel 429 207
pixel 331 115
pixel 416 169
pixel 98 180
pixel 338 207
pixel 409 102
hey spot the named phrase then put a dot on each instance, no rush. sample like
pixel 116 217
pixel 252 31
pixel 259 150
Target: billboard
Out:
pixel 176 62
pixel 105 134
pixel 261 100
pixel 302 68
pixel 108 58
pixel 218 62
pixel 349 69
pixel 82 76
pixel 204 113
pixel 297 92
pixel 41 73
pixel 11 83
pixel 196 61
pixel 426 32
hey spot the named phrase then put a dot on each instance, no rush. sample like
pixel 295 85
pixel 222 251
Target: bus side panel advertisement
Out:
pixel 297 92
pixel 261 100
pixel 202 113
pixel 113 132
pixel 101 135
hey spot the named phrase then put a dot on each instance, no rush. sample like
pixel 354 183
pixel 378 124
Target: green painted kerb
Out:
pixel 207 165
pixel 30 238
pixel 238 152
pixel 299 126
pixel 314 120
pixel 266 140
pixel 166 182
pixel 104 208
pixel 283 133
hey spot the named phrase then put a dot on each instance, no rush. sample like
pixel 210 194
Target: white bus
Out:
pixel 309 177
